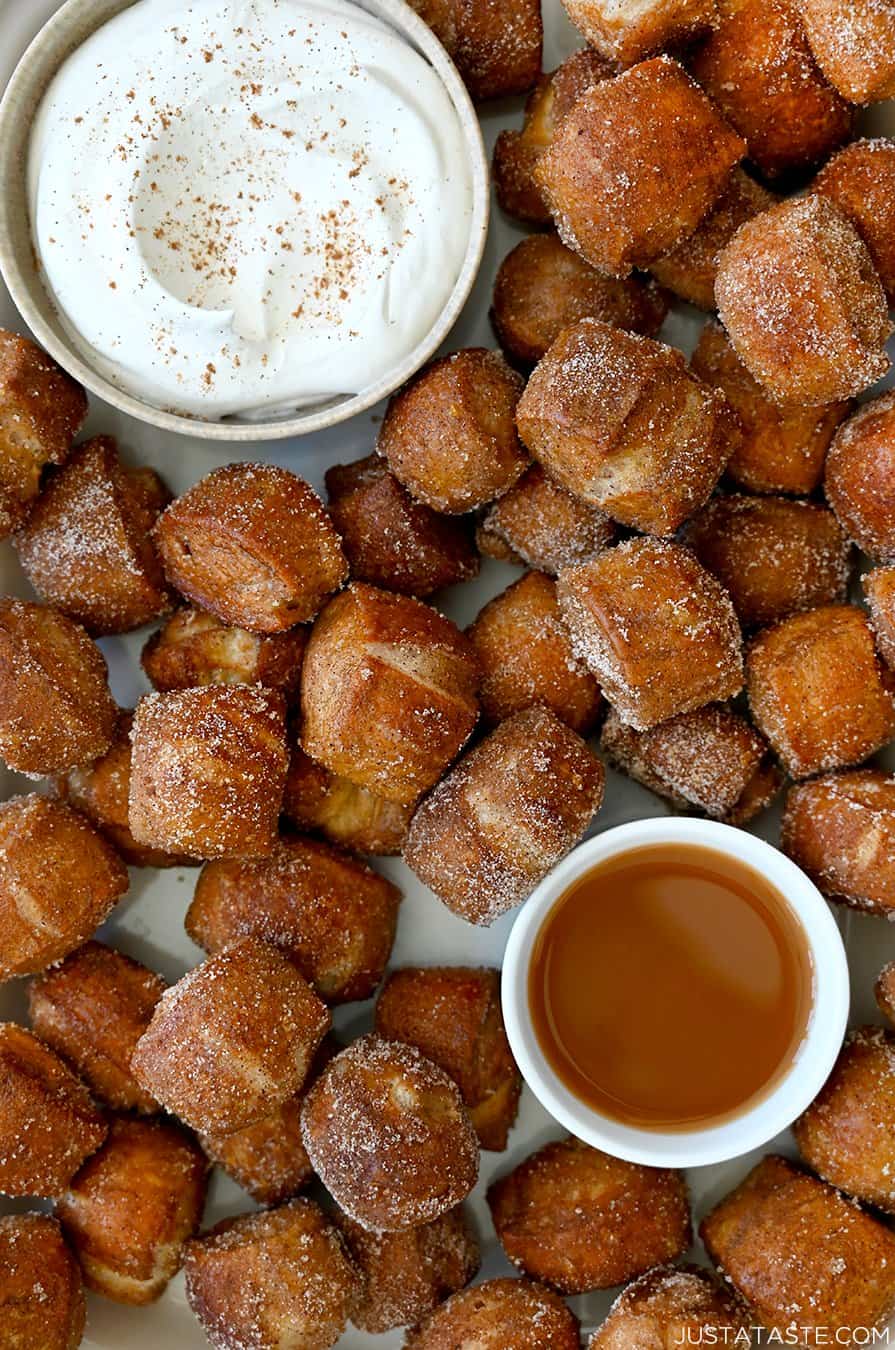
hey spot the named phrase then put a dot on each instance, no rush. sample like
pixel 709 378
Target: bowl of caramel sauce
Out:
pixel 675 992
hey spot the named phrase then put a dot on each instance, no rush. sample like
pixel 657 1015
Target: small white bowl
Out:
pixel 69 27
pixel 814 1059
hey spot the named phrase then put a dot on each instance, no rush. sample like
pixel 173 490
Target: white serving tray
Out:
pixel 148 924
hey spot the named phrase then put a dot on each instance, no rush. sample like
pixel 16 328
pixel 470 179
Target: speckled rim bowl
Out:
pixel 71 25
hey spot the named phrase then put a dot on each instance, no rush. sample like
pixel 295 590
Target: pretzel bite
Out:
pixel 879 591
pixel 853 42
pixel 59 879
pixel 802 304
pixel 579 1220
pixel 208 770
pixel 669 1305
pixel 55 707
pixel 41 1292
pixel 818 691
pixel 774 556
pixel 328 912
pixel 453 1015
pixel 543 287
pixel 840 829
pixel 655 628
pixel 194 648
pixel 860 181
pixel 449 435
pixel 407 1274
pixel 507 812
pixel 620 421
pixel 847 1134
pixel 281 1278
pixel 636 165
pixel 388 1135
pixel 628 31
pixel 87 545
pixel 499 1315
pixel 495 44
pixel 41 411
pixel 48 1124
pixel 388 692
pixel 806 1259
pixel 132 1206
pixel 541 524
pixel 342 812
pixel 710 759
pixel 253 544
pixel 92 1009
pixel 859 479
pixel 778 449
pixel 884 989
pixel 690 269
pixel 232 1040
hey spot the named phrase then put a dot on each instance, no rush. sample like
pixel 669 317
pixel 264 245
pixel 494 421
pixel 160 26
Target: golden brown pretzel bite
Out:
pixel 132 1206
pixel 253 544
pixel 59 880
pixel 496 44
pixel 48 1124
pixel 499 1315
pixel 879 591
pixel 884 989
pixel 41 1291
pixel 840 829
pixel 505 814
pixel 630 30
pixel 232 1039
pixel 622 422
pixel 41 411
pixel 671 1303
pixel 860 180
pixel 92 1009
pixel 540 523
pixel 859 478
pixel 655 628
pixel 853 42
pixel 345 814
pixel 578 1219
pixel 194 648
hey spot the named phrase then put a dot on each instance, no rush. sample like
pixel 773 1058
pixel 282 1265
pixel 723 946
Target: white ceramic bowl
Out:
pixel 75 21
pixel 815 1057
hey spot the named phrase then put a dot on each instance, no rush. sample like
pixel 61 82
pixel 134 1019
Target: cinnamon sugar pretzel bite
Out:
pixel 499 1315
pixel 48 1124
pixel 92 1009
pixel 847 1134
pixel 884 991
pixel 345 814
pixel 41 411
pixel 407 1274
pixel 636 166
pixel 388 1135
pixel 388 693
pixel 778 449
pixel 496 44
pixel 773 555
pixel 449 436
pixel 802 304
pixel 656 629
pixel 859 478
pixel 543 287
pixel 808 1262
pixel 330 913
pixel 860 181
pixel 59 880
pixel 620 420
pixel 578 1219
pixel 453 1015
pixel 208 769
pixel 271 1280
pixel 232 1039
pixel 253 544
pixel 194 648
pixel 628 30
pixel 759 69
pixel 525 652
pixel 540 523
pixel 132 1206
pixel 507 812
pixel 669 1304
pixel 41 1291
pixel 710 759
pixel 393 541
pixel 879 591
pixel 853 42
pixel 818 691
pixel 87 545
pixel 56 710
pixel 840 829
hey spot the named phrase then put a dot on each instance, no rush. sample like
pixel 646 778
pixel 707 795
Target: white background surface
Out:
pixel 148 924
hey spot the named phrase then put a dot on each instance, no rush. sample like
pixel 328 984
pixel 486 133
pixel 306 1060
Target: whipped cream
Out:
pixel 241 207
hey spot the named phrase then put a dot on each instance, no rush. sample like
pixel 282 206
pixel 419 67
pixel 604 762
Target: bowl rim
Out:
pixel 815 1057
pixel 36 67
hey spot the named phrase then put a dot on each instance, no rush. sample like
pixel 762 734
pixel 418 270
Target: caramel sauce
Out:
pixel 670 987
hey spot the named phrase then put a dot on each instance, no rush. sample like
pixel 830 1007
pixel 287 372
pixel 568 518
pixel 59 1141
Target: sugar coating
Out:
pixel 860 181
pixel 496 45
pixel 41 1294
pixel 542 524
pixel 499 1315
pixel 654 1306
pixel 629 30
pixel 858 479
pixel 854 42
pixel 841 829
